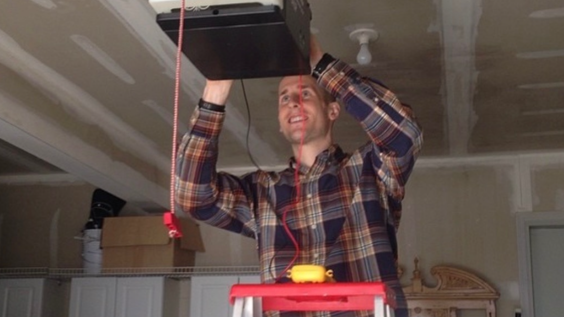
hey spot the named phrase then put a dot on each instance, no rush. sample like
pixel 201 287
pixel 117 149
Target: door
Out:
pixel 540 241
pixel 547 257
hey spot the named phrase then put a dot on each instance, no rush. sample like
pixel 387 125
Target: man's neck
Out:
pixel 309 152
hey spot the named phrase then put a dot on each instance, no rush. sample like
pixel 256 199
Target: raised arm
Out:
pixel 390 125
pixel 219 199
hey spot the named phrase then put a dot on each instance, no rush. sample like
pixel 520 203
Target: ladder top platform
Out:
pixel 315 296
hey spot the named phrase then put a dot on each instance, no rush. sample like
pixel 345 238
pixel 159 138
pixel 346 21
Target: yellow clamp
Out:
pixel 310 274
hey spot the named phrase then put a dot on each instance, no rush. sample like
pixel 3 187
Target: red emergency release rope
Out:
pixel 175 134
pixel 297 182
pixel 176 106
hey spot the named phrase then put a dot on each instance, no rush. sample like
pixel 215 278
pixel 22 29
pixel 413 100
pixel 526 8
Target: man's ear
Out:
pixel 334 110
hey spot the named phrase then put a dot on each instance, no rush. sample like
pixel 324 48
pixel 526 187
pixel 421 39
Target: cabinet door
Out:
pixel 21 297
pixel 210 295
pixel 140 297
pixel 93 297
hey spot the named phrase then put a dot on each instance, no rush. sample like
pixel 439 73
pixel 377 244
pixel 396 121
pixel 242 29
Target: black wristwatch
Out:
pixel 210 106
pixel 322 65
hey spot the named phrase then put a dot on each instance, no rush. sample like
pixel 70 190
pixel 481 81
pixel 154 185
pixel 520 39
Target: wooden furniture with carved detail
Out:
pixel 456 290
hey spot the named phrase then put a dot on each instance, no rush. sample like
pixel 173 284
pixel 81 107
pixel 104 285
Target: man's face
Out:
pixel 315 118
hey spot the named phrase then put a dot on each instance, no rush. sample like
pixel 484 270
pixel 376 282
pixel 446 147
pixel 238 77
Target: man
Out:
pixel 343 211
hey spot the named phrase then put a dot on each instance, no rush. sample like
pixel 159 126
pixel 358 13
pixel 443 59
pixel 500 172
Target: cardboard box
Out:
pixel 144 242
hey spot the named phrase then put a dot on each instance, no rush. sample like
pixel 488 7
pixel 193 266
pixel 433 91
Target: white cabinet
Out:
pixel 210 294
pixel 93 297
pixel 124 297
pixel 30 298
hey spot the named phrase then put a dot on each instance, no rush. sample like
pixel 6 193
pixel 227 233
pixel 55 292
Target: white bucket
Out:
pixel 91 252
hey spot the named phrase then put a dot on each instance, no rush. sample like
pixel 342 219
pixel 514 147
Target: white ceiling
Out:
pixel 86 87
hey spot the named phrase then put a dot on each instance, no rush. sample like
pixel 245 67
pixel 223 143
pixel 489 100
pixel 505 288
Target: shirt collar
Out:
pixel 332 155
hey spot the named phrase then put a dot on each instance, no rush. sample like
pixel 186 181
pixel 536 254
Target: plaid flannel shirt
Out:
pixel 350 204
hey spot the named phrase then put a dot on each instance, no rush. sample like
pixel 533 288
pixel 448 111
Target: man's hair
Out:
pixel 327 97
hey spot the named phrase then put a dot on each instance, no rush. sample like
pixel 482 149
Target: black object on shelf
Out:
pixel 103 205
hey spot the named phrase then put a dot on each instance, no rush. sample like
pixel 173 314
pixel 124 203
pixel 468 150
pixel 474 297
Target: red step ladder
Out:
pixel 311 297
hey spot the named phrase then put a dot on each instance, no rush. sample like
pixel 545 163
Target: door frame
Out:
pixel 525 222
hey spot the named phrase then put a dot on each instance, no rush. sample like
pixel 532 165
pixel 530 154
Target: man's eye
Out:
pixel 284 99
pixel 306 93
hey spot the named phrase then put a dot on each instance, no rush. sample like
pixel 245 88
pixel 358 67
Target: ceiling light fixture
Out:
pixel 364 36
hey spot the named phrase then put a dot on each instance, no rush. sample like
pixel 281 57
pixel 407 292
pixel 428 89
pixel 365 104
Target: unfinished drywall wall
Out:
pixel 226 248
pixel 548 184
pixel 40 222
pixel 460 213
pixel 463 216
pixel 456 213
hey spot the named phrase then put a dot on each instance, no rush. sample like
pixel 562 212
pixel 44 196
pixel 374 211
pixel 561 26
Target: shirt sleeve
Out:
pixel 219 199
pixel 391 126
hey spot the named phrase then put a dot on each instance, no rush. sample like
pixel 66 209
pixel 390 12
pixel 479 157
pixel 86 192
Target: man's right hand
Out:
pixel 315 51
pixel 217 91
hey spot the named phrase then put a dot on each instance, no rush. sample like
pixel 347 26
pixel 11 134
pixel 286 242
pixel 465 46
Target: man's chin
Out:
pixel 295 138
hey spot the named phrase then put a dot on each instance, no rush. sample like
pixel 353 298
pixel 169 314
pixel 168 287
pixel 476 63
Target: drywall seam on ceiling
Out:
pixel 548 14
pixel 55 179
pixel 47 4
pixel 140 19
pixel 102 58
pixel 166 115
pixel 542 85
pixel 459 28
pixel 543 112
pixel 39 137
pixel 541 54
pixel 540 134
pixel 79 103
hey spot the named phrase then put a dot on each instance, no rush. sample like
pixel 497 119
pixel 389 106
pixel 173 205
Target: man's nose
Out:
pixel 295 101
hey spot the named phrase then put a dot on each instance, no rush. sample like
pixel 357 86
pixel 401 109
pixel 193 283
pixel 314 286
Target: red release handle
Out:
pixel 173 225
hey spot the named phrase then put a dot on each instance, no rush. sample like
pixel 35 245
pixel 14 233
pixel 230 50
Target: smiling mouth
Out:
pixel 297 119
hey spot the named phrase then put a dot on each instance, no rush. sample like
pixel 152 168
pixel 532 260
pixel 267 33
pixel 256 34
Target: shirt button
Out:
pixel 315 255
pixel 376 99
pixel 309 196
pixel 313 227
pixel 342 73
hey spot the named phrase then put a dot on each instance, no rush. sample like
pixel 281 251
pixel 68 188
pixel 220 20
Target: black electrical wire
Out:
pixel 254 162
pixel 248 127
pixel 258 167
pixel 270 268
